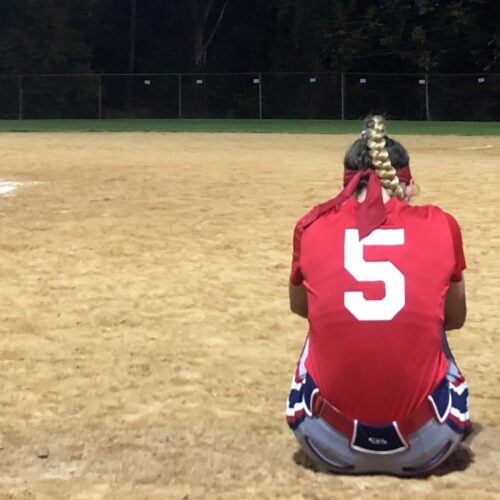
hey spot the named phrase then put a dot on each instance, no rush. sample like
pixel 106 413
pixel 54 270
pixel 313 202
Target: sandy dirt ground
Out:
pixel 146 346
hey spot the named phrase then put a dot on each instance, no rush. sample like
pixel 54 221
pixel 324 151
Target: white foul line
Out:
pixel 488 146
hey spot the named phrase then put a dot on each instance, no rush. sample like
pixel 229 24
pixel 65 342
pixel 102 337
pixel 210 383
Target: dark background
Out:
pixel 145 36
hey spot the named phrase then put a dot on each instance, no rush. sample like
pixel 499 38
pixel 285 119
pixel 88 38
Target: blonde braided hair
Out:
pixel 375 139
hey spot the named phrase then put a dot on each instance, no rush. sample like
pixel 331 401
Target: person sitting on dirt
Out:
pixel 376 389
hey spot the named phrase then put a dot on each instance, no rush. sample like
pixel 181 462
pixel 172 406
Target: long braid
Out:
pixel 375 137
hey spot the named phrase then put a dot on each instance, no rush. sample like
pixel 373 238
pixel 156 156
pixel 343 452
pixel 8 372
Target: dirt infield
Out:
pixel 146 344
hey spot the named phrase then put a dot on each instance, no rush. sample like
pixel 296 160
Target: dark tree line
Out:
pixel 121 36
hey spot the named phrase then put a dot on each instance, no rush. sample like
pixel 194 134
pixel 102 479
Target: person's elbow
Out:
pixel 455 306
pixel 299 309
pixel 298 300
pixel 456 321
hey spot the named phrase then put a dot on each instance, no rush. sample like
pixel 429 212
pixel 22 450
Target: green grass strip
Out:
pixel 247 126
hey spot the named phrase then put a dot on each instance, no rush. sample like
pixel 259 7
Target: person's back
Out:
pixel 376 308
pixel 375 296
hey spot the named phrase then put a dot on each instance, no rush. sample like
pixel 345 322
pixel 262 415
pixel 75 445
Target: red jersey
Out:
pixel 376 306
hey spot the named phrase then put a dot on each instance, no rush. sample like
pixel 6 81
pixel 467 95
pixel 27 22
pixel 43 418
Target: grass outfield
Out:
pixel 248 126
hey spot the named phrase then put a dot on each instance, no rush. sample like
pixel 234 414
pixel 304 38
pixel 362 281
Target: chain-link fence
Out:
pixel 472 97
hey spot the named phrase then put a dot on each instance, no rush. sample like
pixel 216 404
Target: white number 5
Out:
pixel 362 270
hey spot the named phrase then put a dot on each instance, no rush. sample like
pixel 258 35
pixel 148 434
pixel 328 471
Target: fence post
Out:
pixel 260 96
pixel 180 95
pixel 20 110
pixel 99 96
pixel 427 108
pixel 342 95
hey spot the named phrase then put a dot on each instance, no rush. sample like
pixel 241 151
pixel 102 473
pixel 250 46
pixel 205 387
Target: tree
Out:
pixel 45 37
pixel 302 28
pixel 119 36
pixel 132 36
pixel 207 16
pixel 402 35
